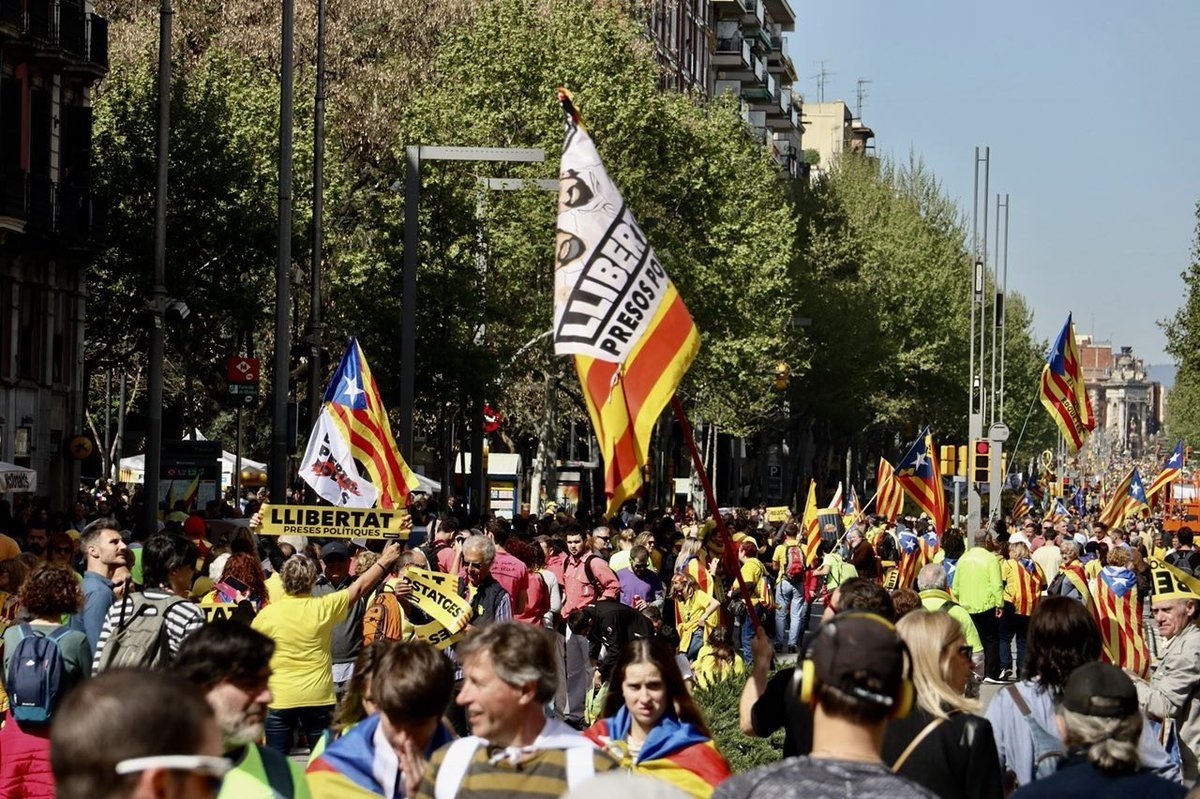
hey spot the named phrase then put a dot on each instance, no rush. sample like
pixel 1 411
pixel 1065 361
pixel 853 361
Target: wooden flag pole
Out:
pixel 730 556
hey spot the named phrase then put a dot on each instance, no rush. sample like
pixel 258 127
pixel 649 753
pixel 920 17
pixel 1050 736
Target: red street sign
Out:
pixel 241 370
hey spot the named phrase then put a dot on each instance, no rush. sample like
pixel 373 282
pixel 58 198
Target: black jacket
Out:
pixel 614 624
pixel 958 760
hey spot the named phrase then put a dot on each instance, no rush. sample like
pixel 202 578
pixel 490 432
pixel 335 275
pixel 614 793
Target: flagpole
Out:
pixel 686 428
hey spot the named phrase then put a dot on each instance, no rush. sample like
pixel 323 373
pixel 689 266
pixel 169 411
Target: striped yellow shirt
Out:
pixel 540 773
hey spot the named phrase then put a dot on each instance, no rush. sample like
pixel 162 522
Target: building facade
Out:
pixel 735 47
pixel 52 52
pixel 831 129
pixel 1126 402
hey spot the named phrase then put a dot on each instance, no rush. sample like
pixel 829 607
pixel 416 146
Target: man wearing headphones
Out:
pixel 857 678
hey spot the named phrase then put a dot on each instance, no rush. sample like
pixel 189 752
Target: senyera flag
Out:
pixel 354 426
pixel 1170 470
pixel 615 311
pixel 1062 389
pixel 917 473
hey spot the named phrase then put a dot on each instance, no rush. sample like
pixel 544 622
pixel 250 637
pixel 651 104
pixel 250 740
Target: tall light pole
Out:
pixel 158 295
pixel 279 405
pixel 318 210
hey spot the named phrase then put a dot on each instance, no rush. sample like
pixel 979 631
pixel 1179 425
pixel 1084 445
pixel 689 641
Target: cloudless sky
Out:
pixel 1091 109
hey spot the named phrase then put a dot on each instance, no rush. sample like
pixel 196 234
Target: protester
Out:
pixel 979 588
pixel 514 749
pixel 608 626
pixel 356 704
pixel 490 602
pixel 652 726
pixel 240 568
pixel 696 613
pixel 302 627
pixel 856 680
pixel 1071 580
pixel 1062 637
pixel 758 585
pixel 935 595
pixel 1023 583
pixel 386 754
pixel 46 597
pixel 136 734
pixel 231 664
pixel 586 579
pixel 130 634
pixel 943 744
pixel 1101 726
pixel 347 634
pixel 640 584
pixel 717 661
pixel 1170 695
pixel 105 552
pixel 769 705
pixel 790 605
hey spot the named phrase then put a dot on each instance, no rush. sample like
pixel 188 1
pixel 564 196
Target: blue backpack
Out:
pixel 34 678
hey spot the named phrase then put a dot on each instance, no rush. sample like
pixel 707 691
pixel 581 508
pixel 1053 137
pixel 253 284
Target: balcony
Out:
pixel 734 58
pixel 72 31
pixel 97 41
pixel 39 23
pixel 754 15
pixel 781 11
pixel 12 199
pixel 764 87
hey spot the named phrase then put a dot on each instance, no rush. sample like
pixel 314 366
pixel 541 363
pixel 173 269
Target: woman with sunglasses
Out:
pixel 942 744
pixel 651 726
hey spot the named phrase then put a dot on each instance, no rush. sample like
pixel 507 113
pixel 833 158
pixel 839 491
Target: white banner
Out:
pixel 608 283
pixel 329 468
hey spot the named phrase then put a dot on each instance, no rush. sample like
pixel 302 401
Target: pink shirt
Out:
pixel 445 559
pixel 511 573
pixel 537 601
pixel 557 565
pixel 579 591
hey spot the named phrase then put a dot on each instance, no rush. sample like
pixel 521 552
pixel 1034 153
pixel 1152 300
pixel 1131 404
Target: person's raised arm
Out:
pixel 762 653
pixel 379 569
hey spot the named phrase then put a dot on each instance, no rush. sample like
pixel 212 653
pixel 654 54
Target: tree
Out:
pixel 1183 344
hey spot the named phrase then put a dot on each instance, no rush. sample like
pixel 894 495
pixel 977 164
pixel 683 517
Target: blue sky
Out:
pixel 1090 109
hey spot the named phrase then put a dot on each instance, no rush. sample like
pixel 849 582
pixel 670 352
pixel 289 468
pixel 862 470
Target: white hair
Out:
pixel 931 577
pixel 217 567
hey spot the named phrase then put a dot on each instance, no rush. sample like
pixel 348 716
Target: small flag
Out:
pixel 1128 499
pixel 1062 389
pixel 1022 507
pixel 918 475
pixel 1170 470
pixel 835 504
pixel 889 494
pixel 910 556
pixel 812 525
pixel 329 468
pixel 1058 512
pixel 357 415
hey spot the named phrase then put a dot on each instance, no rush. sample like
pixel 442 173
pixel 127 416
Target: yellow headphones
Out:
pixel 804 682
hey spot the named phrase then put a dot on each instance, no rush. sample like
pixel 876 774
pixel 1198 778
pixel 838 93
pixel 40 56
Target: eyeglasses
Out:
pixel 211 769
pixel 468 565
pixel 601 537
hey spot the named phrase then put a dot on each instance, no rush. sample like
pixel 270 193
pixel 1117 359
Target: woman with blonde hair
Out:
pixel 693 561
pixel 696 614
pixel 942 744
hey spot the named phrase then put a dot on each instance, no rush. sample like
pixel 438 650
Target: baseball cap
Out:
pixel 1100 689
pixel 862 655
pixel 335 548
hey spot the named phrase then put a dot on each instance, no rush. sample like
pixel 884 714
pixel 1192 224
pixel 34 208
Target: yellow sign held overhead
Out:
pixel 324 521
pixel 779 513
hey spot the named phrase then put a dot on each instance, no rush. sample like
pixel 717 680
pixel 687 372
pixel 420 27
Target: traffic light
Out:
pixel 981 460
pixel 964 461
pixel 946 464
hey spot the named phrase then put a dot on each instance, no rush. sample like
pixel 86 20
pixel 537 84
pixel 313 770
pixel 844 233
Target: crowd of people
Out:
pixel 203 658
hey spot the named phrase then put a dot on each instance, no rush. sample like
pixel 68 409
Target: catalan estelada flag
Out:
pixel 811 523
pixel 1062 390
pixel 1115 594
pixel 1022 507
pixel 674 752
pixel 1023 584
pixel 616 311
pixel 1058 512
pixel 889 496
pixel 1128 499
pixel 356 413
pixel 917 473
pixel 910 557
pixel 1170 470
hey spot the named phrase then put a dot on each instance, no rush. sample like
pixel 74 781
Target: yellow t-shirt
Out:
pixel 708 669
pixel 302 667
pixel 779 558
pixel 754 575
pixel 274 586
pixel 689 612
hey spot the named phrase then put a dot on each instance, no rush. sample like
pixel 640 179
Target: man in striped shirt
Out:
pixel 509 676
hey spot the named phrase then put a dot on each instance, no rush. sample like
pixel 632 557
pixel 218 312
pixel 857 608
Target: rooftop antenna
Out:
pixel 822 77
pixel 859 94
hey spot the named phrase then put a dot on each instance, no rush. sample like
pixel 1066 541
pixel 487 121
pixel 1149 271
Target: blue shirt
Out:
pixel 648 586
pixel 1082 780
pixel 98 597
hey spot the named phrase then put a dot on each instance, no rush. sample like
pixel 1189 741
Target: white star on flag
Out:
pixel 351 390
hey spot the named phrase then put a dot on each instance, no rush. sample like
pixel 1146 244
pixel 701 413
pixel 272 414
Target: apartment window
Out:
pixel 30 324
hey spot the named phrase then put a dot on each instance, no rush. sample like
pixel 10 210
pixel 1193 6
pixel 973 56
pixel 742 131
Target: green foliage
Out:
pixel 1183 344
pixel 719 704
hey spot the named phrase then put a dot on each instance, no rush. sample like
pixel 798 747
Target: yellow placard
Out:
pixel 220 611
pixel 778 514
pixel 436 594
pixel 324 521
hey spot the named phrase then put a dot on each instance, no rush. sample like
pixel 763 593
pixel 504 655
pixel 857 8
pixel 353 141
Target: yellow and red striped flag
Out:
pixel 1170 471
pixel 1128 499
pixel 811 524
pixel 1062 389
pixel 616 311
pixel 355 411
pixel 1022 507
pixel 1115 593
pixel 889 496
pixel 917 473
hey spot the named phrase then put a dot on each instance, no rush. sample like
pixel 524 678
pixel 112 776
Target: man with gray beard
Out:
pixel 232 663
